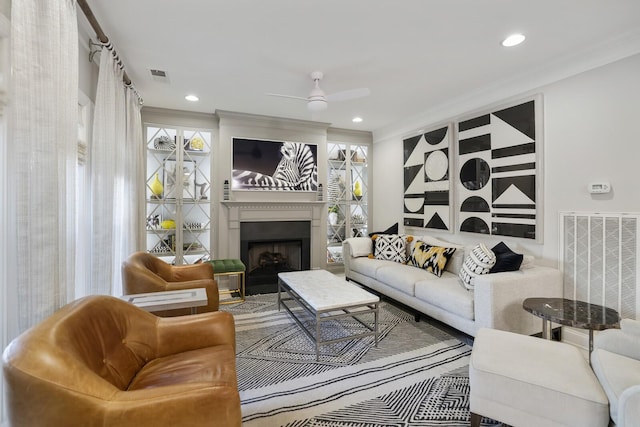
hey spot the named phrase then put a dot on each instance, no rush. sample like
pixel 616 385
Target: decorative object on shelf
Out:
pixel 194 144
pixel 188 177
pixel 357 190
pixel 357 219
pixel 164 143
pixel 356 233
pixel 320 195
pixel 156 187
pixel 168 224
pixel 153 222
pixel 203 188
pixel 336 187
pixel 225 187
pixel 333 215
pixel 193 226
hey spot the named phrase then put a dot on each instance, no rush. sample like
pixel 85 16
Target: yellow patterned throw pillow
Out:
pixel 432 258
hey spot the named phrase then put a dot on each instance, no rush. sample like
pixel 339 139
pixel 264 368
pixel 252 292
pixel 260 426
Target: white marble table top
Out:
pixel 324 291
pixel 168 300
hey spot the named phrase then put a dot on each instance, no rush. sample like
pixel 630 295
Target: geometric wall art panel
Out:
pixel 498 171
pixel 427 166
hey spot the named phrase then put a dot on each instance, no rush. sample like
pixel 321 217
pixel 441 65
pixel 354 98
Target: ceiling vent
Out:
pixel 159 76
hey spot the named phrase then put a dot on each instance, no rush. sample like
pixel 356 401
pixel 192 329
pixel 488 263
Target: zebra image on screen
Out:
pixel 296 171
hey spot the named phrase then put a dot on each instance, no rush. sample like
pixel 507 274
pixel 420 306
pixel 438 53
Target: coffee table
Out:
pixel 326 297
pixel 169 300
pixel 577 314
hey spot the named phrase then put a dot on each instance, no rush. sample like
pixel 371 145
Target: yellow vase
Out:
pixel 357 189
pixel 156 187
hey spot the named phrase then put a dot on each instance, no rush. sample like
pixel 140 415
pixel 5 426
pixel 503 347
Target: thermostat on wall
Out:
pixel 599 187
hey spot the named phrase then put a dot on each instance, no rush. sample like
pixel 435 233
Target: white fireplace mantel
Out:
pixel 254 211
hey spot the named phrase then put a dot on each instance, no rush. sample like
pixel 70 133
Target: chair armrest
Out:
pixel 498 298
pixel 629 407
pixel 619 341
pixel 183 273
pixel 185 333
pixel 630 326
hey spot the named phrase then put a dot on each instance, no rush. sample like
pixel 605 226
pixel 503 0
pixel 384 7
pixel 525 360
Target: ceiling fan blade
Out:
pixel 346 95
pixel 287 96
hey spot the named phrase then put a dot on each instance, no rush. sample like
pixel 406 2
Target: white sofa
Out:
pixel 495 303
pixel 616 362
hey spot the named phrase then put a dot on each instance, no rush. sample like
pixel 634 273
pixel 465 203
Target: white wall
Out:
pixel 591 133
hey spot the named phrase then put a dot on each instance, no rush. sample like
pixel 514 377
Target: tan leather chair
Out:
pixel 101 361
pixel 143 272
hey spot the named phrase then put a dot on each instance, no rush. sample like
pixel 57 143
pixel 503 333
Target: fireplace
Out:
pixel 270 247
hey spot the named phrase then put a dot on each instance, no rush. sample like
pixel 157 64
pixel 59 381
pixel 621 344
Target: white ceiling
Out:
pixel 414 55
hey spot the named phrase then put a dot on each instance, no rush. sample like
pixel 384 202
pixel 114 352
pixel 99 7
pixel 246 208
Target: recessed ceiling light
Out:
pixel 513 40
pixel 356 119
pixel 192 98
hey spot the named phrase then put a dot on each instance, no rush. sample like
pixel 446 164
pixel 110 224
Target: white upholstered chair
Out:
pixel 616 362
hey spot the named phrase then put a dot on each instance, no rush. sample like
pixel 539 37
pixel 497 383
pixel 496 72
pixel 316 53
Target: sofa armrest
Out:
pixel 184 333
pixel 629 407
pixel 498 298
pixel 355 247
pixel 620 341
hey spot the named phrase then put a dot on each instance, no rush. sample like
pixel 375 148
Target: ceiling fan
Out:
pixel 319 101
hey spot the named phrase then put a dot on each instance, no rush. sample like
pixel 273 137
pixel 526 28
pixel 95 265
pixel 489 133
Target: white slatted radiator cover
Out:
pixel 600 259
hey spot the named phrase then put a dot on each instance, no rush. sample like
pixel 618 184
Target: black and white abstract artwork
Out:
pixel 426 179
pixel 498 164
pixel 274 165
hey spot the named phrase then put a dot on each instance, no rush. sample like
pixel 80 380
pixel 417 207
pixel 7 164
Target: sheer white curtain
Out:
pixel 42 156
pixel 116 158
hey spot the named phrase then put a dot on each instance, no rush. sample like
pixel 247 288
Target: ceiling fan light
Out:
pixel 317 105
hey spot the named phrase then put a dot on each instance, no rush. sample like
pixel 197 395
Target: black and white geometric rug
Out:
pixel 416 376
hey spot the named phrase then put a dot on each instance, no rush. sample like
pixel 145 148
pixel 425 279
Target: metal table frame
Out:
pixel 322 316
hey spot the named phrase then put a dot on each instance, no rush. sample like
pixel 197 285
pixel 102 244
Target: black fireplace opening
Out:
pixel 271 247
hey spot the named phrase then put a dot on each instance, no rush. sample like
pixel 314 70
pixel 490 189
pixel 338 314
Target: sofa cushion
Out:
pixel 431 258
pixel 478 262
pixel 447 294
pixel 506 259
pixel 402 277
pixel 368 266
pixel 390 247
pixel 212 365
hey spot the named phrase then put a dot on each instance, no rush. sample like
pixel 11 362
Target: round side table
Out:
pixel 568 312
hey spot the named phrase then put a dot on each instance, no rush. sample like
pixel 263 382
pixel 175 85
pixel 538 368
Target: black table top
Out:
pixel 578 314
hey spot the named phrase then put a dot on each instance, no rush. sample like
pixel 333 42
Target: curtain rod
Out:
pixel 101 35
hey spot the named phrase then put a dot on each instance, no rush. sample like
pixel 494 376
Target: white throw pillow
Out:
pixel 478 262
pixel 391 247
pixel 360 246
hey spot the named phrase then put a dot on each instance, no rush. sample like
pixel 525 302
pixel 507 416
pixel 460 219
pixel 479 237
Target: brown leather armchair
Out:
pixel 100 361
pixel 143 272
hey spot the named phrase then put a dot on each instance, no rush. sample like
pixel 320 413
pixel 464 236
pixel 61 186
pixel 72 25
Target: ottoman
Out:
pixel 228 267
pixel 526 381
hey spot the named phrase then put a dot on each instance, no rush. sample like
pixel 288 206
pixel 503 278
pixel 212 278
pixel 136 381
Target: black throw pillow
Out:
pixel 506 259
pixel 391 230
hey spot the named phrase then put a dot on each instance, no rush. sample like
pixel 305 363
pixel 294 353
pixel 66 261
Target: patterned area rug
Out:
pixel 416 376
